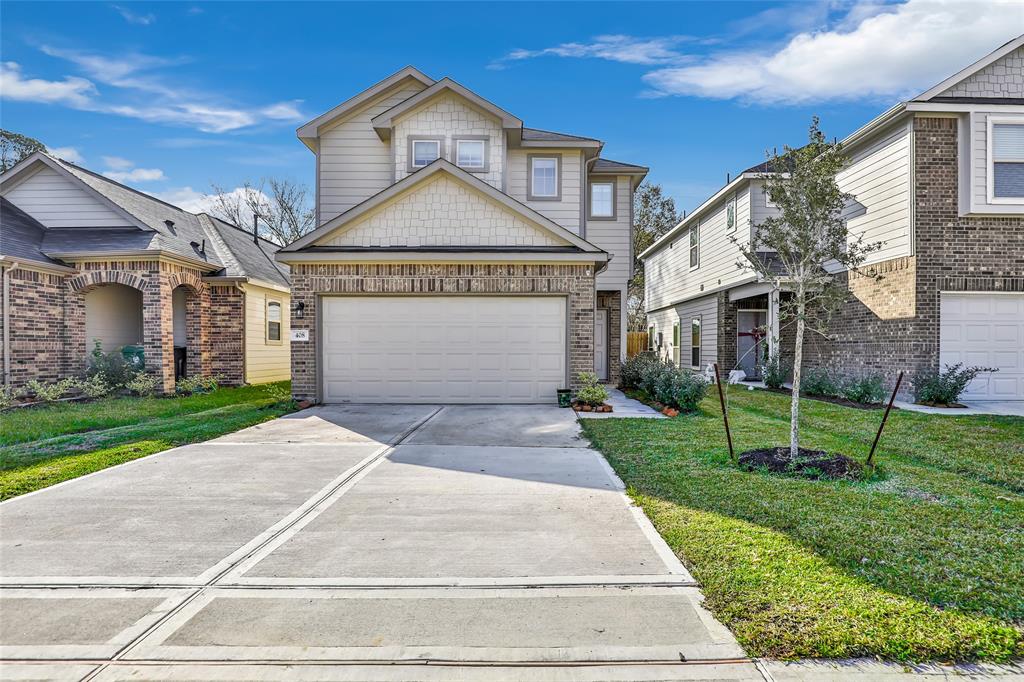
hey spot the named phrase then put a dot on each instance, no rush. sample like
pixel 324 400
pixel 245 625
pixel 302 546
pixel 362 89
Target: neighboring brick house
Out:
pixel 939 181
pixel 459 256
pixel 86 259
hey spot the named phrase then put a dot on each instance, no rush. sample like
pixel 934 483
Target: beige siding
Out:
pixel 705 308
pixel 113 315
pixel 614 236
pixel 977 135
pixel 449 117
pixel 669 278
pixel 56 201
pixel 566 211
pixel 442 211
pixel 354 163
pixel 1003 78
pixel 265 361
pixel 878 176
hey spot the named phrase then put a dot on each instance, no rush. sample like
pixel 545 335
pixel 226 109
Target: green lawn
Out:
pixel 924 563
pixel 41 446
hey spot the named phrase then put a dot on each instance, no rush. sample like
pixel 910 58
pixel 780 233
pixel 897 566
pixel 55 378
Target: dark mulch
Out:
pixel 816 464
pixel 829 399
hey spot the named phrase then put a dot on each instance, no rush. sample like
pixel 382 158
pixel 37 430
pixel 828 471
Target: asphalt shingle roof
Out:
pixel 607 166
pixel 21 235
pixel 538 135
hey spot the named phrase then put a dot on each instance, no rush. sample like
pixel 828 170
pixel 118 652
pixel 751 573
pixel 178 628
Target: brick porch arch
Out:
pixel 197 321
pixel 89 280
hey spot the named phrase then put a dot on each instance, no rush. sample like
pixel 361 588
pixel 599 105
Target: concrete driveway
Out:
pixel 355 542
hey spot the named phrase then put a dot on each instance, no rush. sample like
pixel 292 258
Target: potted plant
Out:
pixel 592 395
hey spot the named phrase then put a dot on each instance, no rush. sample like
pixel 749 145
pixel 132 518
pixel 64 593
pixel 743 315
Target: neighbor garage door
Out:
pixel 985 330
pixel 458 349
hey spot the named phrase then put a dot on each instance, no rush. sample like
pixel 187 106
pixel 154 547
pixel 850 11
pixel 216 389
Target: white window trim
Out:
pixel 990 159
pixel 690 246
pixel 280 322
pixel 484 141
pixel 590 200
pixel 412 151
pixel 531 195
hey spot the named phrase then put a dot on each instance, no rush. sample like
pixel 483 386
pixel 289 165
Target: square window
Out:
pixel 470 153
pixel 425 152
pixel 544 178
pixel 602 200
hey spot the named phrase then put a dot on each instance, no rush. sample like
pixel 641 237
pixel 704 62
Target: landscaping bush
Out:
pixel 944 387
pixel 112 367
pixel 95 386
pixel 190 385
pixel 49 392
pixel 141 384
pixel 633 369
pixel 8 396
pixel 591 392
pixel 824 382
pixel 774 371
pixel 681 389
pixel 866 390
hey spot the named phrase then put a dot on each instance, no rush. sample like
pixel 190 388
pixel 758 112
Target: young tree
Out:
pixel 284 208
pixel 804 247
pixel 14 147
pixel 654 214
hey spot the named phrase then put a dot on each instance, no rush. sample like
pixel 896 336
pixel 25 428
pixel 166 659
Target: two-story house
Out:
pixel 939 181
pixel 459 256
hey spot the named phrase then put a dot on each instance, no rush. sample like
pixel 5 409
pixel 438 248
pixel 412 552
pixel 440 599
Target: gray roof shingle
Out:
pixel 538 135
pixel 609 166
pixel 21 235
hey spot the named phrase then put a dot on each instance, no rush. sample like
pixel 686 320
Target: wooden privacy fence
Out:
pixel 636 342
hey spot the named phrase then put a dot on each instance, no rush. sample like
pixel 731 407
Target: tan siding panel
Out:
pixel 265 362
pixel 56 201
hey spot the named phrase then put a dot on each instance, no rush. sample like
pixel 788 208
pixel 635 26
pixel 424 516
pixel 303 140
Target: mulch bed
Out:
pixel 815 464
pixel 828 399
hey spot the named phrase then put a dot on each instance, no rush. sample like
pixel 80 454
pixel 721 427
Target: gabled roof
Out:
pixel 160 227
pixel 424 174
pixel 21 236
pixel 312 128
pixel 609 167
pixel 384 121
pixel 535 137
pixel 974 68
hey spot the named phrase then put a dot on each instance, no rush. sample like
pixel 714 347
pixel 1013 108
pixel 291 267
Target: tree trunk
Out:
pixel 798 356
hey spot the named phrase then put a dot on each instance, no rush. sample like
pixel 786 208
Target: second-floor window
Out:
pixel 425 152
pixel 1007 170
pixel 602 199
pixel 544 178
pixel 471 154
pixel 694 246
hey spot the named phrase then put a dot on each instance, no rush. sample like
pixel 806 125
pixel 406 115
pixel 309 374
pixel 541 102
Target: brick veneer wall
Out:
pixel 310 280
pixel 48 321
pixel 612 302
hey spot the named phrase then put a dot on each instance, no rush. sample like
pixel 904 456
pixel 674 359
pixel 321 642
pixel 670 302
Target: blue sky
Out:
pixel 173 97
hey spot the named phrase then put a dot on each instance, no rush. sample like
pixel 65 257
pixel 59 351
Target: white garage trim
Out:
pixel 985 328
pixel 428 363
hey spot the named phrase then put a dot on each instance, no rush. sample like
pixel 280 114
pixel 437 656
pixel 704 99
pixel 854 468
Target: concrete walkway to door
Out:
pixel 445 541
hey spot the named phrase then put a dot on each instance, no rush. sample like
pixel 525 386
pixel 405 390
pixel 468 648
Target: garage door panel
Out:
pixel 443 348
pixel 985 330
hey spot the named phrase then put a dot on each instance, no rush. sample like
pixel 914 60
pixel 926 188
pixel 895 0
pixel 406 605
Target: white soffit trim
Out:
pixel 371 256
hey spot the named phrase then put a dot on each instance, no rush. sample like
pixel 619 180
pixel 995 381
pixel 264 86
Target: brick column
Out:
pixel 197 313
pixel 226 335
pixel 158 331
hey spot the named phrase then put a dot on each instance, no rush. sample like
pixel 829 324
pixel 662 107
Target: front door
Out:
pixel 751 341
pixel 601 344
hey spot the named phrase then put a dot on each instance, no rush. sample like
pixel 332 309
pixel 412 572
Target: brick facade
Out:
pixel 48 337
pixel 612 302
pixel 309 281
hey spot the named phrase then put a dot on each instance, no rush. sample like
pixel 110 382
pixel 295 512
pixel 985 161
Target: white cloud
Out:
pixel 872 53
pixel 186 198
pixel 140 92
pixel 133 17
pixel 117 163
pixel 72 91
pixel 195 201
pixel 616 48
pixel 67 153
pixel 136 175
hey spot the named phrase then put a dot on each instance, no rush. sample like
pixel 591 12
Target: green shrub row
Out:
pixel 664 382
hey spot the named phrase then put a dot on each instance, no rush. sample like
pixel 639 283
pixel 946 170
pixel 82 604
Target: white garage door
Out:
pixel 985 330
pixel 445 349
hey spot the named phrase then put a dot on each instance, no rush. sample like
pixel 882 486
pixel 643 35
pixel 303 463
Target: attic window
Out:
pixel 471 154
pixel 424 152
pixel 1006 172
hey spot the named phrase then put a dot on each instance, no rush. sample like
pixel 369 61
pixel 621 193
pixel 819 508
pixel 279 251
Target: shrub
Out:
pixel 774 371
pixel 141 384
pixel 681 389
pixel 112 367
pixel 866 390
pixel 944 387
pixel 8 396
pixel 651 375
pixel 633 369
pixel 823 382
pixel 591 392
pixel 95 386
pixel 50 392
pixel 190 385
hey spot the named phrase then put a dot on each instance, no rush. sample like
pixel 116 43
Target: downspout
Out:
pixel 245 335
pixel 7 322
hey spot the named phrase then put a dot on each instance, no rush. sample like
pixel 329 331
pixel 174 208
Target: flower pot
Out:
pixel 564 397
pixel 586 408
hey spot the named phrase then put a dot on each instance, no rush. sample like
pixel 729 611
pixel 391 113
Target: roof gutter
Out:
pixel 246 280
pixel 136 253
